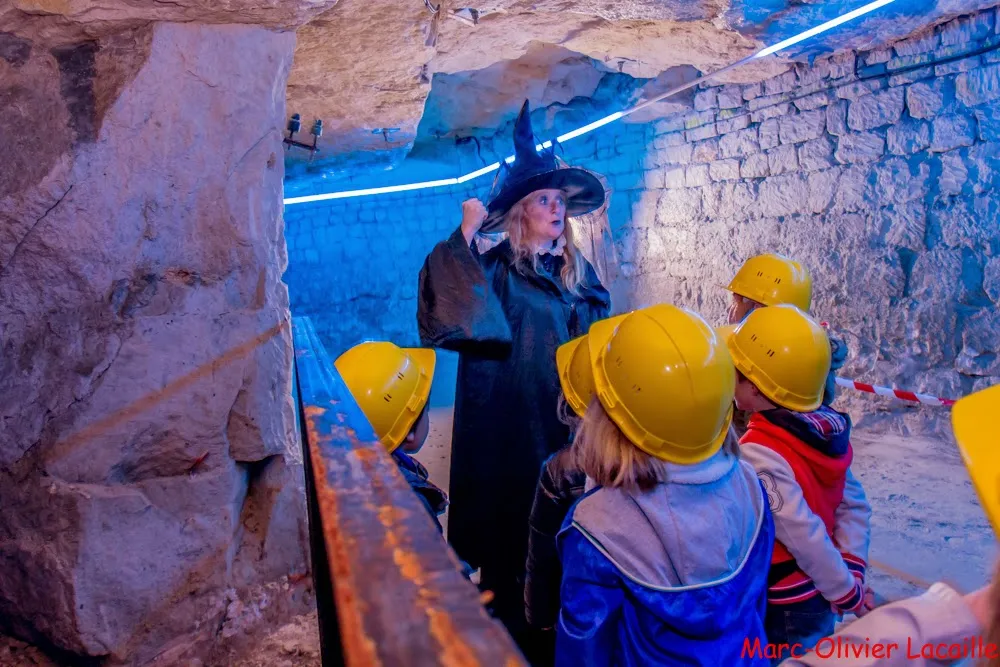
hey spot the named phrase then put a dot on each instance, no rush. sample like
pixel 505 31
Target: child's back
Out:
pixel 434 500
pixel 665 560
pixel 807 456
pixel 680 567
pixel 802 453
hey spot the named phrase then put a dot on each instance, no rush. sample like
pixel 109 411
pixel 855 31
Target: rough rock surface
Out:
pixel 358 96
pixel 148 457
pixel 295 644
pixel 72 19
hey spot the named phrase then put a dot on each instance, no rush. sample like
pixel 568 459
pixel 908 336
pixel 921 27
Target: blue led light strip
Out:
pixel 784 44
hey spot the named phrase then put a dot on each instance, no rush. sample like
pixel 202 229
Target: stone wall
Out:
pixel 876 169
pixel 353 263
pixel 150 477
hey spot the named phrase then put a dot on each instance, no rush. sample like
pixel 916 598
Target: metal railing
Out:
pixel 389 590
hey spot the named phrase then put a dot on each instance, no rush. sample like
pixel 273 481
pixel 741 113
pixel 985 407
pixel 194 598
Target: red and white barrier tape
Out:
pixel 895 393
pixel 892 393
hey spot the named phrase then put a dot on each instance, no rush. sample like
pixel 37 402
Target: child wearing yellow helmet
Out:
pixel 768 280
pixel 941 617
pixel 665 558
pixel 801 450
pixel 391 386
pixel 772 280
pixel 560 484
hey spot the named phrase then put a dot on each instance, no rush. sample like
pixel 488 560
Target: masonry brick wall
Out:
pixel 876 169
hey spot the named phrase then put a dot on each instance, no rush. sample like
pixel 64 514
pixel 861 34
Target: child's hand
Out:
pixel 979 603
pixel 853 602
pixel 868 604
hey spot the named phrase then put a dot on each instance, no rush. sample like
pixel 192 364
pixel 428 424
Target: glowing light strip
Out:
pixel 823 27
pixel 791 41
pixel 479 172
pixel 587 128
pixel 372 191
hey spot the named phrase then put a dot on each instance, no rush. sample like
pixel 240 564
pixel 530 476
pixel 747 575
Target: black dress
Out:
pixel 506 322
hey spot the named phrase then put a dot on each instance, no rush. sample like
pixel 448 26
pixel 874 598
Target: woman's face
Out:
pixel 546 211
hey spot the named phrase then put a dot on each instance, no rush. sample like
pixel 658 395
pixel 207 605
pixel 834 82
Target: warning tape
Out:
pixel 913 397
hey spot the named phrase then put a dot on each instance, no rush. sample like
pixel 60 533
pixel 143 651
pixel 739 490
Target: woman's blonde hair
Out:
pixel 610 459
pixel 516 224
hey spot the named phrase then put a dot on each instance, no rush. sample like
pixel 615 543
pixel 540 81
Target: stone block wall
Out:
pixel 353 263
pixel 876 169
pixel 353 268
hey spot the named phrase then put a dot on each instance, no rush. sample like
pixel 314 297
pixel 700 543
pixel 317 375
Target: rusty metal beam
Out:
pixel 399 595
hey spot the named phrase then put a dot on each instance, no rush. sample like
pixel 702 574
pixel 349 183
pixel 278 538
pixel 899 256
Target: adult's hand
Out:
pixel 473 216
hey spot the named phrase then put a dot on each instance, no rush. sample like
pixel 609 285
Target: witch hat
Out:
pixel 537 170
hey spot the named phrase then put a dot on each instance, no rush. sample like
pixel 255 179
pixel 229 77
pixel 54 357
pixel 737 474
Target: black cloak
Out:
pixel 506 321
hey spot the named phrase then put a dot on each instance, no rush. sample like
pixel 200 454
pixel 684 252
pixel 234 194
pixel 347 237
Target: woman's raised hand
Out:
pixel 473 216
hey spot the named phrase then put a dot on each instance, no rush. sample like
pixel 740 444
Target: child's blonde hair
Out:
pixel 516 223
pixel 566 415
pixel 610 459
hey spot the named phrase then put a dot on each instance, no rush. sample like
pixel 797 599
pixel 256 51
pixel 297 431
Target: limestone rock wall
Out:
pixel 149 468
pixel 876 168
pixel 371 106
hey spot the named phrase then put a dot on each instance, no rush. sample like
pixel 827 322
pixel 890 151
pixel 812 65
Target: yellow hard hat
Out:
pixel 391 385
pixel 973 419
pixel 725 332
pixel 785 353
pixel 667 381
pixel 773 280
pixel 573 361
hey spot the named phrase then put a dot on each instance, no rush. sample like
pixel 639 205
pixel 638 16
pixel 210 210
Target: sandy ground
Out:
pixel 926 519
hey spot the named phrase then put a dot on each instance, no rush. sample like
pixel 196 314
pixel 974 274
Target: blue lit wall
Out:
pixel 353 263
pixel 879 170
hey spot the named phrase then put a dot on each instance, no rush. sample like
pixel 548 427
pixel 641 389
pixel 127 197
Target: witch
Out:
pixel 506 310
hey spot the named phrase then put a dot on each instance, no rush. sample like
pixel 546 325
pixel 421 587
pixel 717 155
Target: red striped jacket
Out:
pixel 822 519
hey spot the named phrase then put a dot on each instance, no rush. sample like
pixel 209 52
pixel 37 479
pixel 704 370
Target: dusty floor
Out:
pixel 926 520
pixel 292 645
pixel 14 653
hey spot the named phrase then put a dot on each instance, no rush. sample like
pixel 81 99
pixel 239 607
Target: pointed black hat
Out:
pixel 537 170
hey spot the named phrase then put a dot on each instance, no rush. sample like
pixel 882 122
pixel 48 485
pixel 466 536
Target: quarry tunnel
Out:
pixel 203 206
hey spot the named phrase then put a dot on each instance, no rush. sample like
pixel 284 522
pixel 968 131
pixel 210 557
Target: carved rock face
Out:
pixel 367 67
pixel 148 469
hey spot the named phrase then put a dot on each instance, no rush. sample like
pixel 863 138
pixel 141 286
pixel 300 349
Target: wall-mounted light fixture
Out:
pixel 294 126
pixel 385 132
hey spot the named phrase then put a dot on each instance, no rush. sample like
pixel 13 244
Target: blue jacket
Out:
pixel 434 500
pixel 673 576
